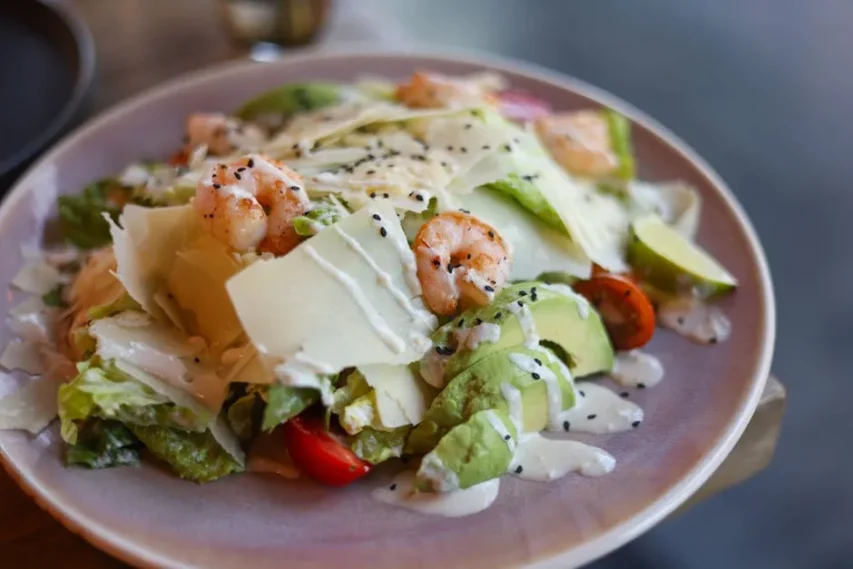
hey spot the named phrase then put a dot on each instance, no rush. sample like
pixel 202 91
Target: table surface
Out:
pixel 761 88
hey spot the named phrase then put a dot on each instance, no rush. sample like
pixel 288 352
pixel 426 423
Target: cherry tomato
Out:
pixel 319 454
pixel 626 310
pixel 179 158
pixel 522 107
pixel 598 270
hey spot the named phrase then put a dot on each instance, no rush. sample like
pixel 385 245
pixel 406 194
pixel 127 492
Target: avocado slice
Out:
pixel 290 99
pixel 480 387
pixel 479 449
pixel 555 313
pixel 671 263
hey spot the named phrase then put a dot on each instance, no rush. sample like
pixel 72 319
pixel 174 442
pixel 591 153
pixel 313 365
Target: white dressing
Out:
pixel 400 492
pixel 470 338
pixel 695 320
pixel 525 320
pixel 543 459
pixel 636 369
pixel 598 410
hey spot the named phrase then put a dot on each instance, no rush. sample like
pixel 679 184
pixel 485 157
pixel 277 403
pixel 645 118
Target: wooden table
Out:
pixel 141 43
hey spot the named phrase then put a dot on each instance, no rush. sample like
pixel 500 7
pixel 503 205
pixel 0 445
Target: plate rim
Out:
pixel 126 550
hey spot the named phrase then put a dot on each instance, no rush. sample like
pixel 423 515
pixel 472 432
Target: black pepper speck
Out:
pixel 519 469
pixel 591 417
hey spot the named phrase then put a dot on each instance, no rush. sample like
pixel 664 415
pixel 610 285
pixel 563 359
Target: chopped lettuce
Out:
pixel 355 387
pixel 54 297
pixel 285 402
pixel 104 444
pixel 325 212
pixel 243 414
pixel 620 141
pixel 102 390
pixel 378 446
pixel 194 456
pixel 81 217
pixel 290 99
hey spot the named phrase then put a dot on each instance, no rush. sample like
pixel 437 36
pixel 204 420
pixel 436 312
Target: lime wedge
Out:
pixel 668 261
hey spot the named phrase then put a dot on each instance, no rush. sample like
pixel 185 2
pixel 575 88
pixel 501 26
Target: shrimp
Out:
pixel 251 203
pixel 431 90
pixel 461 260
pixel 580 142
pixel 221 134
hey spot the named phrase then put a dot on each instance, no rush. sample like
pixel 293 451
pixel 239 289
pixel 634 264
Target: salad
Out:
pixel 338 275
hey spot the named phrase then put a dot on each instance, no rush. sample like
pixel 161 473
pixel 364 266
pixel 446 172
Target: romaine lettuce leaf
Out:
pixel 378 446
pixel 290 99
pixel 620 141
pixel 102 390
pixel 285 402
pixel 324 212
pixel 104 444
pixel 194 456
pixel 81 217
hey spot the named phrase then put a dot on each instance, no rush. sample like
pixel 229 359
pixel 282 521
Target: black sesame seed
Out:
pixel 295 147
pixel 566 425
pixel 478 321
pixel 635 424
pixel 520 302
pixel 463 150
pixel 582 393
pixel 624 395
pixel 591 417
pixel 522 293
pixel 469 256
pixel 444 164
pixel 383 232
pixel 436 263
pixel 377 217
pixel 534 297
pixel 507 147
pixel 251 163
pixel 527 178
pixel 393 487
pixel 519 469
pixel 538 361
pixel 461 322
pixel 295 188
pixel 196 360
pixel 241 169
pixel 535 375
pixel 386 196
pixel 498 315
pixel 465 211
pixel 489 288
pixel 217 186
pixel 380 144
pixel 450 267
pixel 372 195
pixel 486 147
pixel 237 175
pixel 419 197
pixel 369 158
pixel 491 234
pixel 450 149
pixel 680 320
pixel 370 172
pixel 507 437
pixel 468 126
pixel 713 340
pixel 641 386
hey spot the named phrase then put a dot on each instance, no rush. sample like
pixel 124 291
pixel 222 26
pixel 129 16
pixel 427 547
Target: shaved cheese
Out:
pixel 197 282
pixel 341 299
pixel 33 322
pixel 401 396
pixel 24 356
pixel 134 338
pixel 145 247
pixel 37 277
pixel 675 202
pixel 537 248
pixel 32 407
pixel 179 397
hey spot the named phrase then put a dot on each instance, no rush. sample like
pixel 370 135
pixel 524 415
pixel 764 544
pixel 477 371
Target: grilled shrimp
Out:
pixel 251 203
pixel 580 142
pixel 462 261
pixel 432 90
pixel 220 133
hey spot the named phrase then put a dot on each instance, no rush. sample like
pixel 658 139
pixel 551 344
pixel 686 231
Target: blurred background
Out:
pixel 761 88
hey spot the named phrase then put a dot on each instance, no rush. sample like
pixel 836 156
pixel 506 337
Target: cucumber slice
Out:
pixel 664 258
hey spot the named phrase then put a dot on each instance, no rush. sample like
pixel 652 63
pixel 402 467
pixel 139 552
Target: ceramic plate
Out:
pixel 149 517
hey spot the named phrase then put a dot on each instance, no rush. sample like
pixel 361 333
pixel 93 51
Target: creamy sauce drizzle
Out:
pixel 598 410
pixel 544 373
pixel 380 326
pixel 695 320
pixel 581 302
pixel 433 469
pixel 385 280
pixel 301 370
pixel 448 504
pixel 410 272
pixel 636 369
pixel 525 320
pixel 544 459
pixel 499 427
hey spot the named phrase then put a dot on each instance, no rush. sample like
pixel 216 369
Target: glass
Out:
pixel 281 22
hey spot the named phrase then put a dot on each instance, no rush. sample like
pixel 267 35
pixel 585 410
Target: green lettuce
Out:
pixel 104 444
pixel 243 414
pixel 356 386
pixel 194 456
pixel 620 141
pixel 285 402
pixel 378 446
pixel 102 390
pixel 290 99
pixel 54 297
pixel 81 217
pixel 324 212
